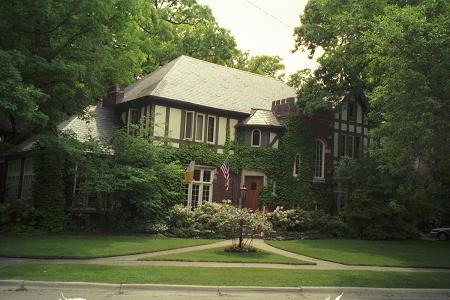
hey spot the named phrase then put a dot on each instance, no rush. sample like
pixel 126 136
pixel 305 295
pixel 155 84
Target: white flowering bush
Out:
pixel 219 220
pixel 298 223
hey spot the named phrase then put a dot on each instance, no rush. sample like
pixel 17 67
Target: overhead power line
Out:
pixel 269 14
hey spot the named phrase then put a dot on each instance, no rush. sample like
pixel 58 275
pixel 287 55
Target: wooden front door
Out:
pixel 253 185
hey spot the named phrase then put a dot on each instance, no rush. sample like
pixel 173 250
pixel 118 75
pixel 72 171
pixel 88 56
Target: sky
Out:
pixel 264 27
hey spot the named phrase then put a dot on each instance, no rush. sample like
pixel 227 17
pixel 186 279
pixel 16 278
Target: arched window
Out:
pixel 256 138
pixel 319 159
pixel 296 165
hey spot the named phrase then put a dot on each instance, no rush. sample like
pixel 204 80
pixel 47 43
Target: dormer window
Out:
pixel 256 138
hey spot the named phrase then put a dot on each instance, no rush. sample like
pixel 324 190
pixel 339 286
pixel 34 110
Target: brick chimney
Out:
pixel 114 95
pixel 284 107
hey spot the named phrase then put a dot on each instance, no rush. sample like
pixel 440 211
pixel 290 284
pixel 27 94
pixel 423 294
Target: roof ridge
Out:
pixel 176 61
pixel 151 73
pixel 227 67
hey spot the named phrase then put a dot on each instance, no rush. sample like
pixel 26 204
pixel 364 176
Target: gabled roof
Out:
pixel 195 81
pixel 261 117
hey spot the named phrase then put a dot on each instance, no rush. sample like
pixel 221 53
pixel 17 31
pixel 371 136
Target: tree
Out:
pixel 60 56
pixel 192 30
pixel 266 65
pixel 398 53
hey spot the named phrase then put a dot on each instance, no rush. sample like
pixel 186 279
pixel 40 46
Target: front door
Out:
pixel 253 185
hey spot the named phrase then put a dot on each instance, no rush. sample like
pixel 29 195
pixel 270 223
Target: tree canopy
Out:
pixel 398 52
pixel 57 57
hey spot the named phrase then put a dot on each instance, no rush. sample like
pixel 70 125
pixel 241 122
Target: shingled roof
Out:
pixel 195 81
pixel 98 124
pixel 261 117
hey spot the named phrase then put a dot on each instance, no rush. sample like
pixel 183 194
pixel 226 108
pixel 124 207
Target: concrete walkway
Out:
pixel 133 260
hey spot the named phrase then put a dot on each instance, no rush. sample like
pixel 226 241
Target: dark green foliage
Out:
pixel 398 54
pixel 48 187
pixel 380 206
pixel 18 217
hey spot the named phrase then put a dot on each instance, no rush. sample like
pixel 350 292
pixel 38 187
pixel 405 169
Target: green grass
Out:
pixel 434 254
pixel 219 255
pixel 225 276
pixel 71 246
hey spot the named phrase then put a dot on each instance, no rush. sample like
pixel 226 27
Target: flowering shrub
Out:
pixel 218 220
pixel 309 223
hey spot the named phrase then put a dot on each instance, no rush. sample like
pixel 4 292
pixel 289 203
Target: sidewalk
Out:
pixel 38 290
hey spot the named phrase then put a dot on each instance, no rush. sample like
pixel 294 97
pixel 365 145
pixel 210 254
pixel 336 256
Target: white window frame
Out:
pixel 295 170
pixel 192 126
pixel 202 137
pixel 214 131
pixel 322 171
pixel 259 144
pixel 202 184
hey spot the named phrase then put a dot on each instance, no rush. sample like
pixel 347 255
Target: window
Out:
pixel 13 179
pixel 199 127
pixel 133 120
pixel 357 151
pixel 350 146
pixel 342 144
pixel 256 138
pixel 200 189
pixel 296 165
pixel 211 129
pixel 351 110
pixel 188 125
pixel 319 159
pixel 27 182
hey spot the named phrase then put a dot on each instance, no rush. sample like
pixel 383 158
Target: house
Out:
pixel 192 101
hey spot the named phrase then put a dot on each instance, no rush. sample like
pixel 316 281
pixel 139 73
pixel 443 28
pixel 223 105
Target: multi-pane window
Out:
pixel 351 109
pixel 357 150
pixel 199 126
pixel 296 165
pixel 200 189
pixel 13 179
pixel 349 146
pixel 256 138
pixel 319 159
pixel 189 125
pixel 342 139
pixel 211 129
pixel 27 181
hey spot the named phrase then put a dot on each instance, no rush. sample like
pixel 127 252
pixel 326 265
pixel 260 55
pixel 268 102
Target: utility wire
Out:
pixel 270 15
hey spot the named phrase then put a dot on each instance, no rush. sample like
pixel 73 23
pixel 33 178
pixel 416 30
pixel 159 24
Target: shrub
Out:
pixel 218 220
pixel 17 216
pixel 301 223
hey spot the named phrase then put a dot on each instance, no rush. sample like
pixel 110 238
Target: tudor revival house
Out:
pixel 193 101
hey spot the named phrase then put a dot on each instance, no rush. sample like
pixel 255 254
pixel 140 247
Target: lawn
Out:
pixel 434 254
pixel 219 255
pixel 72 246
pixel 225 276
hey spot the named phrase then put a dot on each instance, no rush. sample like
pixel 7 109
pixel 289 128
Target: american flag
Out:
pixel 225 168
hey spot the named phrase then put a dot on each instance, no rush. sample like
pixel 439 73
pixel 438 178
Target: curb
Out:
pixel 21 284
